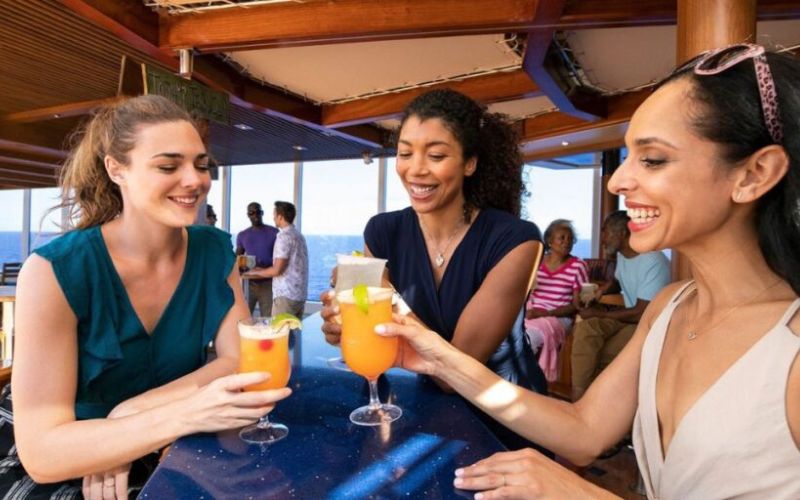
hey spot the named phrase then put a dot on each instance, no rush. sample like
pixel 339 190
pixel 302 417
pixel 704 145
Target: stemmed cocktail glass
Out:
pixel 265 347
pixel 366 352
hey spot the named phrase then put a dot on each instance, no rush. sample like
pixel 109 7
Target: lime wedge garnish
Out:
pixel 361 296
pixel 285 319
pixel 356 253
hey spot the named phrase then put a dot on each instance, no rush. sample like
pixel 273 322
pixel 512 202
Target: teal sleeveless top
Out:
pixel 117 359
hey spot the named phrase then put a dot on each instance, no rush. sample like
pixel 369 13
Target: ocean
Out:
pixel 322 250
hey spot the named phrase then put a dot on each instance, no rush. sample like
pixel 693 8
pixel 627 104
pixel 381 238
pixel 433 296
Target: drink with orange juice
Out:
pixel 366 352
pixel 265 348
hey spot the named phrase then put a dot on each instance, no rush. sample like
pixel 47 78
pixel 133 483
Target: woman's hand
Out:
pixel 535 313
pixel 524 474
pixel 331 320
pixel 109 485
pixel 223 405
pixel 420 350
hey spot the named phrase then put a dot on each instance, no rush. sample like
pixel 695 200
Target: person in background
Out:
pixel 258 240
pixel 114 317
pixel 602 334
pixel 460 256
pixel 289 271
pixel 211 216
pixel 710 381
pixel 553 302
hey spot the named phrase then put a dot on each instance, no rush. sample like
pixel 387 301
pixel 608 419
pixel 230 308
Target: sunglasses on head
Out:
pixel 716 61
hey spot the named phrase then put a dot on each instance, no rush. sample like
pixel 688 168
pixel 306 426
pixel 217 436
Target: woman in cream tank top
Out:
pixel 709 385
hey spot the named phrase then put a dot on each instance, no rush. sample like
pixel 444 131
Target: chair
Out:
pixel 10 273
pixel 536 263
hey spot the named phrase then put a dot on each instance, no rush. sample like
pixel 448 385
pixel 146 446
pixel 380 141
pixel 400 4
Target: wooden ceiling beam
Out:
pixel 44 167
pixel 497 87
pixel 585 14
pixel 10 168
pixel 61 111
pixel 30 151
pixel 30 180
pixel 281 25
pixel 621 108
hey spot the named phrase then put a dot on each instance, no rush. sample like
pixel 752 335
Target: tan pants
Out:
pixel 286 305
pixel 260 292
pixel 596 343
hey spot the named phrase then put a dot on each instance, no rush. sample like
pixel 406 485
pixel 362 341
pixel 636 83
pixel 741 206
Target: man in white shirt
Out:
pixel 289 270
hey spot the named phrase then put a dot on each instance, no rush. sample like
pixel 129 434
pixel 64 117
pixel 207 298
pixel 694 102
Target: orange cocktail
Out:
pixel 264 348
pixel 266 353
pixel 364 351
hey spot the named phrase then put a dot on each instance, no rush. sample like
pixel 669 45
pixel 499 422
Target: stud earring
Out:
pixel 737 197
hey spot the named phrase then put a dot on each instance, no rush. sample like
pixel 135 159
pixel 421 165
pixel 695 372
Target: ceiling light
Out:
pixel 299 147
pixel 242 126
pixel 564 143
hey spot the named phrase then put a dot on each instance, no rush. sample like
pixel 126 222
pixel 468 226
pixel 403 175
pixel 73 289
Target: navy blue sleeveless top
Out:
pixel 397 237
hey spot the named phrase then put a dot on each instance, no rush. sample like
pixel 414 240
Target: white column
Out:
pixel 25 238
pixel 225 214
pixel 382 172
pixel 298 193
pixel 597 200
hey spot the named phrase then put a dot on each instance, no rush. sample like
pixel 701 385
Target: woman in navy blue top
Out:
pixel 460 255
pixel 113 318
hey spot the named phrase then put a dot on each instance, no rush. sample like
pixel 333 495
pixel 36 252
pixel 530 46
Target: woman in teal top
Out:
pixel 113 318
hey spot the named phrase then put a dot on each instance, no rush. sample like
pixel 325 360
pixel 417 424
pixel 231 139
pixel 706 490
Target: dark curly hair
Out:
pixel 497 181
pixel 740 131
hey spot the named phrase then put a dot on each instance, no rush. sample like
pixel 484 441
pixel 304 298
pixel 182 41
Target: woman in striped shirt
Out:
pixel 553 303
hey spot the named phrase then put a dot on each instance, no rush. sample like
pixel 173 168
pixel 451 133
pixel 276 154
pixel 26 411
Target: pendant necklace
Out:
pixel 694 333
pixel 440 253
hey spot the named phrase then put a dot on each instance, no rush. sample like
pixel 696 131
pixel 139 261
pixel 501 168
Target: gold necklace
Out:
pixel 439 259
pixel 693 334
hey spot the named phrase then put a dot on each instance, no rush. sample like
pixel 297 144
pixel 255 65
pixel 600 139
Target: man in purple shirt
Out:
pixel 258 240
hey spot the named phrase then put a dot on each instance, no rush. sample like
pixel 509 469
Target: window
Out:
pixel 214 199
pixel 339 197
pixel 562 194
pixel 396 194
pixel 45 223
pixel 264 184
pixel 11 226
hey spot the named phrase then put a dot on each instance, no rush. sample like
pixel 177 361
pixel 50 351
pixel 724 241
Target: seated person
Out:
pixel 460 256
pixel 114 317
pixel 554 301
pixel 604 332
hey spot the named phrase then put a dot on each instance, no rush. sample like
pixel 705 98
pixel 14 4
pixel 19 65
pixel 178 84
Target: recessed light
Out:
pixel 564 143
pixel 299 147
pixel 242 126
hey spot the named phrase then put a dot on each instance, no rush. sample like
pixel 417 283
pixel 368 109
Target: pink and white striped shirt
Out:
pixel 555 288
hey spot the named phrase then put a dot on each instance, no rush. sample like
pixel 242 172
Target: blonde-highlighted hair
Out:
pixel 87 192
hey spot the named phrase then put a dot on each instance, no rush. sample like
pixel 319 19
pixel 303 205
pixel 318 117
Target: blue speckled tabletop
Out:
pixel 326 456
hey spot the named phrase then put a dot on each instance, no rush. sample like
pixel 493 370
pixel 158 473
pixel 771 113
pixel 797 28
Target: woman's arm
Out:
pixel 52 445
pixel 579 431
pixel 226 345
pixel 491 312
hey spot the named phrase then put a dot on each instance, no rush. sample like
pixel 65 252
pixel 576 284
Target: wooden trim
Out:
pixel 60 111
pixel 281 25
pixel 487 89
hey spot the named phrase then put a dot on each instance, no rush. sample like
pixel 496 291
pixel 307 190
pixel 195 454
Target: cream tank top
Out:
pixel 734 442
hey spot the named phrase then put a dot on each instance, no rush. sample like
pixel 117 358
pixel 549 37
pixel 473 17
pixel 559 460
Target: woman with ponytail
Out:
pixel 460 256
pixel 114 317
pixel 710 381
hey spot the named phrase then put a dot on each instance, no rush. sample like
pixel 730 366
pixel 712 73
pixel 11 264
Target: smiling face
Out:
pixel 561 241
pixel 676 189
pixel 431 165
pixel 166 178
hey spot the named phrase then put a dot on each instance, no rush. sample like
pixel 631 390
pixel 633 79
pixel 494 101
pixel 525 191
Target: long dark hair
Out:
pixel 497 181
pixel 730 115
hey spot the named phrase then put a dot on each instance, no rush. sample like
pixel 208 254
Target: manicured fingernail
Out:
pixel 478 496
pixel 380 329
pixel 459 472
pixel 458 481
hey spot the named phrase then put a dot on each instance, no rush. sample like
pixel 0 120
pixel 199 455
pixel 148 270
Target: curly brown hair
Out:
pixel 497 181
